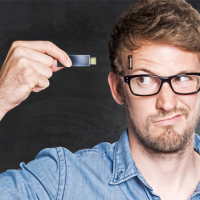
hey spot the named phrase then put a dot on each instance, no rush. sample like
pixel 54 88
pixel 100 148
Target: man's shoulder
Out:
pixel 103 149
pixel 101 153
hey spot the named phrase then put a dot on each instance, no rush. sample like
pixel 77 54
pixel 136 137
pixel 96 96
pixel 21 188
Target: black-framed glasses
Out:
pixel 148 85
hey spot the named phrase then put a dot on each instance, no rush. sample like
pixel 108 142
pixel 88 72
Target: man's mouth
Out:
pixel 168 121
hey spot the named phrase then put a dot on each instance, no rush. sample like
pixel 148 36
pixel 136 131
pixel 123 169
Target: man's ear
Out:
pixel 114 84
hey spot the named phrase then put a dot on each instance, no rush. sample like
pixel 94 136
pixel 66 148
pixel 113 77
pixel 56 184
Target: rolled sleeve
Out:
pixel 42 178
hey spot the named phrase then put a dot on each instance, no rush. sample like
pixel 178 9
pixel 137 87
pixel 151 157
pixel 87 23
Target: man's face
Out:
pixel 164 122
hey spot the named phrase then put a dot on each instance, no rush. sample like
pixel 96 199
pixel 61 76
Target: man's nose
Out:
pixel 166 98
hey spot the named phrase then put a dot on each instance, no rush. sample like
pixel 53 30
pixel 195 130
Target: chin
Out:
pixel 170 140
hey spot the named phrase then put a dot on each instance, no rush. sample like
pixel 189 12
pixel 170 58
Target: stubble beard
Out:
pixel 169 141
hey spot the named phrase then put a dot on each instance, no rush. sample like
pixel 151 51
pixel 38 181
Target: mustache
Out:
pixel 161 114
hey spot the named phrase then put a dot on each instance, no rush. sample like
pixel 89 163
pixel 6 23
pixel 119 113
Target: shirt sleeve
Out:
pixel 42 178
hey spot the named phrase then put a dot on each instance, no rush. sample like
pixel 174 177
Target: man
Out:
pixel 154 52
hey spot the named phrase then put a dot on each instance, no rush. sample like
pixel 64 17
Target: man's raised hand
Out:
pixel 27 68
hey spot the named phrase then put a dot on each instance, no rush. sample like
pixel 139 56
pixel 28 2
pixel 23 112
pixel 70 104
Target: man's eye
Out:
pixel 182 78
pixel 145 80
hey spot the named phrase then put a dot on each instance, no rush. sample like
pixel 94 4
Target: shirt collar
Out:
pixel 197 149
pixel 197 143
pixel 124 166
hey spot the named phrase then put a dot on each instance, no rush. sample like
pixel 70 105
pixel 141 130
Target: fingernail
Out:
pixel 69 62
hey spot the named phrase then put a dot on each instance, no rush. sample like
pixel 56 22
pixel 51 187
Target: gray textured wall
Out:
pixel 77 110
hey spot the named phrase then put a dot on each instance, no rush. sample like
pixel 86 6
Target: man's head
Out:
pixel 173 22
pixel 163 36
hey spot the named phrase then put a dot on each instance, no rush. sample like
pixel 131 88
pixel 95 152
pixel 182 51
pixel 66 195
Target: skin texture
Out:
pixel 163 150
pixel 27 69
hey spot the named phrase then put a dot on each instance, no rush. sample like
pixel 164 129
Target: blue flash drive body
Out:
pixel 78 61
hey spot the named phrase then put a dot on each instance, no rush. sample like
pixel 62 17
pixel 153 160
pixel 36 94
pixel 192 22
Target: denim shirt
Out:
pixel 107 171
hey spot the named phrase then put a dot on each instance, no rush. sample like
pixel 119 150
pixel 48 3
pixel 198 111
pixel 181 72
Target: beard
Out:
pixel 168 141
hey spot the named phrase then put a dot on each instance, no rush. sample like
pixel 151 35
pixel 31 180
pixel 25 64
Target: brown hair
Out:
pixel 173 22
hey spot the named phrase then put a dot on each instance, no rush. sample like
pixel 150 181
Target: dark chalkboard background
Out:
pixel 77 110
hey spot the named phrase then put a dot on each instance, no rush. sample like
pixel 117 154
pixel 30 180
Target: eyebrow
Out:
pixel 151 72
pixel 143 69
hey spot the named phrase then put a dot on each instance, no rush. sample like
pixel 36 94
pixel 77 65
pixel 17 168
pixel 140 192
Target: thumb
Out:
pixel 54 67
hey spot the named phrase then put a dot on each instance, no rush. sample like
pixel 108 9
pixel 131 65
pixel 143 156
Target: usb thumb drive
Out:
pixel 80 61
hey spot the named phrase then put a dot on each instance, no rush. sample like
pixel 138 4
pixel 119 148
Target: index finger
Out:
pixel 44 47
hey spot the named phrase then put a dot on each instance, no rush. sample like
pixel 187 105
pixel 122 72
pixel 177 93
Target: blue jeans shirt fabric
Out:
pixel 107 171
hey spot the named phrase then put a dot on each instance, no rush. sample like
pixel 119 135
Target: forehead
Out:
pixel 162 60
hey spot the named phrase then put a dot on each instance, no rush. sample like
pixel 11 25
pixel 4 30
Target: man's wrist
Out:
pixel 2 113
pixel 2 110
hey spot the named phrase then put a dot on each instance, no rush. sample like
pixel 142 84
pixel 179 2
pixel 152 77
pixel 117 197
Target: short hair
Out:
pixel 173 22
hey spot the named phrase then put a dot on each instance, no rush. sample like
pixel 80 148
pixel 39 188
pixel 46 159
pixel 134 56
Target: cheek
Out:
pixel 141 108
pixel 190 101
